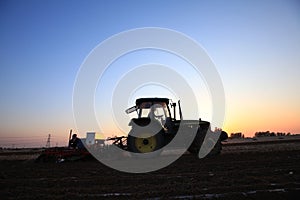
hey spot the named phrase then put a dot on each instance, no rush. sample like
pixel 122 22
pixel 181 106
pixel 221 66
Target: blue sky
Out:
pixel 254 45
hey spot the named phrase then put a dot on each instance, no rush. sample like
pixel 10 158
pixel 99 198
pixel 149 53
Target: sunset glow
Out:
pixel 253 44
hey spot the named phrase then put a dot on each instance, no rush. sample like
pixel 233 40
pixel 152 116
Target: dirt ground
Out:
pixel 243 171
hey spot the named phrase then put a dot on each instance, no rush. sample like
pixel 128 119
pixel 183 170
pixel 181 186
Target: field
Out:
pixel 244 170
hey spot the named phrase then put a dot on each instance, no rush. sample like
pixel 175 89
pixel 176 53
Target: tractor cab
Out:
pixel 155 108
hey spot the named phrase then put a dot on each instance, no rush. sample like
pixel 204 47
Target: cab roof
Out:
pixel 141 100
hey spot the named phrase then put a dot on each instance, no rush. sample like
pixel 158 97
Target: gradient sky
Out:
pixel 255 46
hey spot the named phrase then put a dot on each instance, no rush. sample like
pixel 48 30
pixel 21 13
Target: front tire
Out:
pixel 205 139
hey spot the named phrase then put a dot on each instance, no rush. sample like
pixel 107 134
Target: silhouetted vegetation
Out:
pixel 268 133
pixel 259 134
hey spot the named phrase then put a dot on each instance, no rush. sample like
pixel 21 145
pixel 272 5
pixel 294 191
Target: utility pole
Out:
pixel 48 141
pixel 70 135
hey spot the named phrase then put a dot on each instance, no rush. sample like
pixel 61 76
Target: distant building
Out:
pixel 236 135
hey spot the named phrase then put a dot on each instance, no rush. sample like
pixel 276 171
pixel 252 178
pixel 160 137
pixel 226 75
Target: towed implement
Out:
pixel 75 151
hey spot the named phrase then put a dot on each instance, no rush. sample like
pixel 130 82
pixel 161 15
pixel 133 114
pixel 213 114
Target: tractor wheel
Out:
pixel 145 143
pixel 210 145
pixel 197 142
pixel 216 150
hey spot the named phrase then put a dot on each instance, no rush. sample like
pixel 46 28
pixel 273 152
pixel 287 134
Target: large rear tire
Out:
pixel 145 143
pixel 146 136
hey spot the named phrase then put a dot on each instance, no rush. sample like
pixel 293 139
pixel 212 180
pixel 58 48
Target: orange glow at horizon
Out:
pixel 255 118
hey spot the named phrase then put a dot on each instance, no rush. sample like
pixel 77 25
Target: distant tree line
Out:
pixel 268 133
pixel 259 134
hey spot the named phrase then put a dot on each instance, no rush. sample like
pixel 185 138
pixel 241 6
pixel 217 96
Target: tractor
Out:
pixel 156 125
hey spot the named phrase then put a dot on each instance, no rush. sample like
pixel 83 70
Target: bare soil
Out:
pixel 266 170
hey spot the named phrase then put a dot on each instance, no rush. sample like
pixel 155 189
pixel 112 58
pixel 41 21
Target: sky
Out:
pixel 253 44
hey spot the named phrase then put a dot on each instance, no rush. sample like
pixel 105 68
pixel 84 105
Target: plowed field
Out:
pixel 268 170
